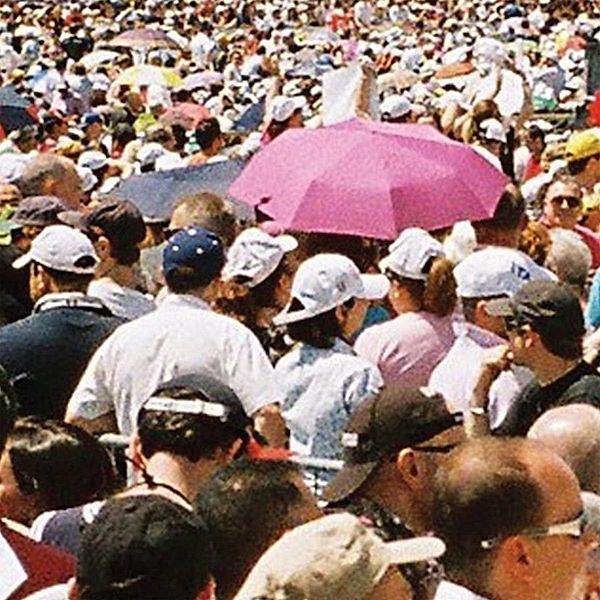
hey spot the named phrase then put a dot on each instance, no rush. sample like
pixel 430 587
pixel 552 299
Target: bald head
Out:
pixel 573 432
pixel 496 488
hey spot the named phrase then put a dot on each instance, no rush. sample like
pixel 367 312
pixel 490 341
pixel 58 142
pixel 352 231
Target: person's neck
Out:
pixel 122 275
pixel 549 368
pixel 179 473
pixel 395 499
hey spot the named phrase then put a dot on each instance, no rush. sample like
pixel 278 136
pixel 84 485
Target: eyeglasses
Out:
pixel 513 324
pixel 436 449
pixel 572 201
pixel 575 528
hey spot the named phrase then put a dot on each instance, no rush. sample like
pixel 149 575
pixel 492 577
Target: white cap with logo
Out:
pixel 326 281
pixel 254 255
pixel 494 271
pixel 61 248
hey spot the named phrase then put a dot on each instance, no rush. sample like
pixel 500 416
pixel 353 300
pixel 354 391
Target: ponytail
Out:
pixel 439 294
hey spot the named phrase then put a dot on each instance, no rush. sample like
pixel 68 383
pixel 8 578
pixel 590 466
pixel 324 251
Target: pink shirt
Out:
pixel 408 348
pixel 592 241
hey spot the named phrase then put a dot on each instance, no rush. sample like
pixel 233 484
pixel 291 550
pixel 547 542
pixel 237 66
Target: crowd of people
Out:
pixel 209 405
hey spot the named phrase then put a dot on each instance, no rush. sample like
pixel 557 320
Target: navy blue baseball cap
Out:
pixel 90 118
pixel 196 248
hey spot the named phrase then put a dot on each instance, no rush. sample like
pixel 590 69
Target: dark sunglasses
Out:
pixel 572 201
pixel 444 449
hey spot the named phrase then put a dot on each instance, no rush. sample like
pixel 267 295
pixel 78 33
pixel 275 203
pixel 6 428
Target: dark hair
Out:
pixel 189 435
pixel 8 407
pixel 319 331
pixel 509 211
pixel 207 132
pixel 247 505
pixel 61 463
pixel 66 281
pixel 241 302
pixel 144 548
pixel 436 295
pixel 557 343
pixel 123 134
pixel 182 279
pixel 575 167
pixel 501 499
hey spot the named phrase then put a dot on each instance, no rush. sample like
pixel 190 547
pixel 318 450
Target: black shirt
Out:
pixel 46 353
pixel 581 384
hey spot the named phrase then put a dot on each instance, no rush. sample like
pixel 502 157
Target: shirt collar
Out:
pixel 482 337
pixel 451 591
pixel 184 300
pixel 68 300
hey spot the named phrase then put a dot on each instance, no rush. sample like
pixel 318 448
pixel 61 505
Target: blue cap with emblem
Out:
pixel 195 248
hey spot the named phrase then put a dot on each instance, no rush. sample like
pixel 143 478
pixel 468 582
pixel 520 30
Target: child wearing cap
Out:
pixel 255 284
pixel 323 380
pixel 423 295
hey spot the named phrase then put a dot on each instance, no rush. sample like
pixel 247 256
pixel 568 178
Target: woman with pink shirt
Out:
pixel 423 295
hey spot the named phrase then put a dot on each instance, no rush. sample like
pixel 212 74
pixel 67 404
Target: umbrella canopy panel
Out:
pixel 369 179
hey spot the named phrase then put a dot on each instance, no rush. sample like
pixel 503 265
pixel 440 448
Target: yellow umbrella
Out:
pixel 149 75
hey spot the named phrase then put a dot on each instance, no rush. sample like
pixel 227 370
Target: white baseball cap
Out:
pixel 495 272
pixel 326 281
pixel 492 129
pixel 149 153
pixel 283 107
pixel 395 106
pixel 62 248
pixel 92 159
pixel 254 255
pixel 410 254
pixel 335 556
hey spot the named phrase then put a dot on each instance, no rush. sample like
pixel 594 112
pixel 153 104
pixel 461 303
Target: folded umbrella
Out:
pixel 370 179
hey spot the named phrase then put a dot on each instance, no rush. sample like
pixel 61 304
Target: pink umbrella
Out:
pixel 186 114
pixel 142 38
pixel 369 178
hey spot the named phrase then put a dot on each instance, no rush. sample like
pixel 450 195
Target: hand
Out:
pixel 495 360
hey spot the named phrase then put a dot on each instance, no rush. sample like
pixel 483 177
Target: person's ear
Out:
pixel 103 248
pixel 530 337
pixel 515 558
pixel 408 467
pixel 135 451
pixel 341 312
pixel 72 590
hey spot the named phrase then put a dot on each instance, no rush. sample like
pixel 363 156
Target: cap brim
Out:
pixel 375 287
pixel 347 481
pixel 285 317
pixel 22 261
pixel 502 307
pixel 287 242
pixel 414 550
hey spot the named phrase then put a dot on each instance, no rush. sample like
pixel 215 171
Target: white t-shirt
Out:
pixel 181 337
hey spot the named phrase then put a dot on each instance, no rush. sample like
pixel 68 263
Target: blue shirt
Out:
pixel 321 389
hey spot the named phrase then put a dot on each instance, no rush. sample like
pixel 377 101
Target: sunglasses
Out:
pixel 436 449
pixel 575 529
pixel 572 201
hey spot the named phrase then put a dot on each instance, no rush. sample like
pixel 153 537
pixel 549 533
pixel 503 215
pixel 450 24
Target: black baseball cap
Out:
pixel 214 399
pixel 549 307
pixel 398 418
pixel 38 211
pixel 137 541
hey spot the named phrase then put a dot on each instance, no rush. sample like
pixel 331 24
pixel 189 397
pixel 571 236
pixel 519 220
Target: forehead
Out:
pixel 560 188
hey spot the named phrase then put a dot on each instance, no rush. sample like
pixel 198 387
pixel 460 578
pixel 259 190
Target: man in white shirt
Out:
pixel 183 336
